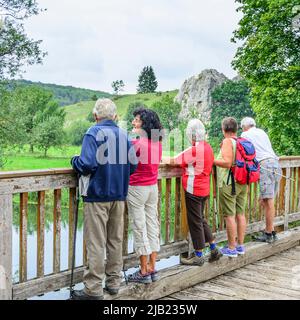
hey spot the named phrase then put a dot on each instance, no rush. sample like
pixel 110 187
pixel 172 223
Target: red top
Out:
pixel 149 154
pixel 198 162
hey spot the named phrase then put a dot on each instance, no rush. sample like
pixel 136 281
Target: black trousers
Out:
pixel 199 229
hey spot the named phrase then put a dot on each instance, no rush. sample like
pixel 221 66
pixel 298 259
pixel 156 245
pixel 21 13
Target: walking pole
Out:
pixel 74 241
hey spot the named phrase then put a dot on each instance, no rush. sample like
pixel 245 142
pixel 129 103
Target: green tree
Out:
pixel 49 133
pixel 16 49
pixel 118 86
pixel 168 111
pixel 34 106
pixel 230 99
pixel 269 60
pixel 77 130
pixel 147 82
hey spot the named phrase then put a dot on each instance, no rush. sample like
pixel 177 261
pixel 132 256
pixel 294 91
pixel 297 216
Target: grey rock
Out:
pixel 195 94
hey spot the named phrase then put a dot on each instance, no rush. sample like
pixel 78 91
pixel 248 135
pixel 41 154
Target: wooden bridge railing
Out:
pixel 171 210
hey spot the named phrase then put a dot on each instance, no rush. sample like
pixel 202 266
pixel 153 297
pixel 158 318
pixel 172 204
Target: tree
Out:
pixel 118 86
pixel 34 106
pixel 16 49
pixel 168 111
pixel 269 60
pixel 77 130
pixel 49 133
pixel 147 82
pixel 230 99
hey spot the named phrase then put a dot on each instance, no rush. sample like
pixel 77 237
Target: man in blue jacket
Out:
pixel 105 164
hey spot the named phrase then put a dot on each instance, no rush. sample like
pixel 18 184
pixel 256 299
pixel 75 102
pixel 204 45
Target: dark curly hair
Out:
pixel 150 121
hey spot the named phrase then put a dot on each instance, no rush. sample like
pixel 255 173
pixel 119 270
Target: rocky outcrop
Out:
pixel 195 93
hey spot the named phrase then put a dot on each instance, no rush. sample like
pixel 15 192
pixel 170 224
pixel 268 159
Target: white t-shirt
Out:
pixel 261 143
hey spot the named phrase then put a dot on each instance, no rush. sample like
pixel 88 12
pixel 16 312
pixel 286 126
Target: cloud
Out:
pixel 94 42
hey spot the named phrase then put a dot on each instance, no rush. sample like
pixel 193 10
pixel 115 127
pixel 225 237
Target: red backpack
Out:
pixel 246 169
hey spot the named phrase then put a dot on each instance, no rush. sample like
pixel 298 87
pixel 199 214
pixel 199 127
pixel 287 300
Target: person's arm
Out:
pixel 227 155
pixel 86 163
pixel 168 160
pixel 182 158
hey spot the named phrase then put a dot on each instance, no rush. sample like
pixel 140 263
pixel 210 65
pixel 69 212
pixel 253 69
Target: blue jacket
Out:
pixel 108 158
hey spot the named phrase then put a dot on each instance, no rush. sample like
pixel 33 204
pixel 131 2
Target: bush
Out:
pixel 76 131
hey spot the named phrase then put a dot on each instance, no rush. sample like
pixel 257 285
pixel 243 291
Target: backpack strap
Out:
pixel 230 173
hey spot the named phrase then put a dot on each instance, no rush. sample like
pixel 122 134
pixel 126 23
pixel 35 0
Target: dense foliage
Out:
pixel 231 99
pixel 16 48
pixel 269 59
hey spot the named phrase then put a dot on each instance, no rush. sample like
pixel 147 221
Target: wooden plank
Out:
pixel 39 183
pixel 84 254
pixel 190 276
pixel 23 237
pixel 159 186
pixel 282 192
pixel 169 171
pixel 287 199
pixel 184 223
pixel 34 173
pixel 271 287
pixel 40 233
pixel 6 216
pixel 168 210
pixel 251 291
pixel 215 291
pixel 177 209
pixel 202 294
pixel 56 230
pixel 72 206
pixel 255 202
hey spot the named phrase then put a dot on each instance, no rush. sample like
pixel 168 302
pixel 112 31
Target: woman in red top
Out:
pixel 143 194
pixel 197 162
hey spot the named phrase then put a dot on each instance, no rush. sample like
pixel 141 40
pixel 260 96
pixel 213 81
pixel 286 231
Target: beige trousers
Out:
pixel 142 212
pixel 103 233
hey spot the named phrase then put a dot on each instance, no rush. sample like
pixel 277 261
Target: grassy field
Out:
pixel 24 160
pixel 81 110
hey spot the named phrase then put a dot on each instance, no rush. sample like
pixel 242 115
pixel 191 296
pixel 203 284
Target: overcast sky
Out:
pixel 93 42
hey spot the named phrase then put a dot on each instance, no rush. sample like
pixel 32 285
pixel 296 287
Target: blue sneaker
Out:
pixel 229 253
pixel 140 278
pixel 240 249
pixel 154 276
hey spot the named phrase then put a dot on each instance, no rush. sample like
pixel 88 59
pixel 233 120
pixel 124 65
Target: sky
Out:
pixel 91 43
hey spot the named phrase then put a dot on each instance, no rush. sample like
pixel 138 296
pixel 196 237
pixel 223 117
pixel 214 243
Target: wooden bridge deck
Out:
pixel 273 278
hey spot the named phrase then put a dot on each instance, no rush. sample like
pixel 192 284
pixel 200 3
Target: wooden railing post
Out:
pixel 287 199
pixel 6 213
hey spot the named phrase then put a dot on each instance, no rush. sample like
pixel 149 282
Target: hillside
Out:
pixel 65 95
pixel 81 110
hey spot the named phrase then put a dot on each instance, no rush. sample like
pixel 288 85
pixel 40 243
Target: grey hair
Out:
pixel 105 109
pixel 195 130
pixel 248 122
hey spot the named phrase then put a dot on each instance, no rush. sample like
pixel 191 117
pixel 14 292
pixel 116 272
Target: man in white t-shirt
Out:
pixel 270 174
